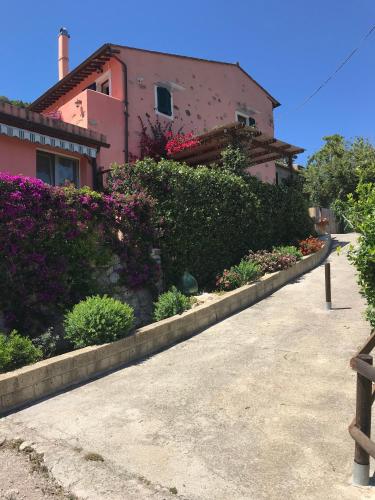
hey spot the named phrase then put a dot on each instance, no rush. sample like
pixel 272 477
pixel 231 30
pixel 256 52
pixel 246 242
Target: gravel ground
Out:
pixel 23 477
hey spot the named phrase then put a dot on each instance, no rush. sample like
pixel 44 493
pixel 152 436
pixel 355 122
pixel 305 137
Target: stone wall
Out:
pixel 109 279
pixel 141 299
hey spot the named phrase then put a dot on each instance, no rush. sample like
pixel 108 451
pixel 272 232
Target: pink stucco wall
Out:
pixel 19 157
pixel 99 112
pixel 205 95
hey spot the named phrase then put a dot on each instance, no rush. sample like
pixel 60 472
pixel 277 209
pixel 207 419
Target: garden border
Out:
pixel 32 383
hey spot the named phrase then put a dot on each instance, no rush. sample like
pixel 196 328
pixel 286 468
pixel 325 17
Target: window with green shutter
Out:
pixel 164 101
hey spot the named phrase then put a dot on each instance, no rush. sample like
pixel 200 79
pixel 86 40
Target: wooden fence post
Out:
pixel 361 466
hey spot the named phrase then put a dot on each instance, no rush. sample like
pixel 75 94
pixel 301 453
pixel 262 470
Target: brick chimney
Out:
pixel 63 53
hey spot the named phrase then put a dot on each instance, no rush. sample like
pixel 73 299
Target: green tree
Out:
pixel 334 171
pixel 14 102
pixel 234 160
pixel 359 212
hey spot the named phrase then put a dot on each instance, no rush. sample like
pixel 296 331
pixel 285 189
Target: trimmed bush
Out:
pixel 210 217
pixel 51 240
pixel 270 262
pixel 288 250
pixel 171 303
pixel 242 274
pixel 17 351
pixel 310 245
pixel 98 320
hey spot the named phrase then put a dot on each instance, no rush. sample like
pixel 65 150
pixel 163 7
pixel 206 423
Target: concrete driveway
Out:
pixel 256 407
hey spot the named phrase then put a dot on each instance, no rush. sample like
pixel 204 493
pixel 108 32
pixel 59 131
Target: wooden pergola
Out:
pixel 258 147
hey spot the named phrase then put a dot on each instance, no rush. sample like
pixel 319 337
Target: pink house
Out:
pixel 38 146
pixel 110 90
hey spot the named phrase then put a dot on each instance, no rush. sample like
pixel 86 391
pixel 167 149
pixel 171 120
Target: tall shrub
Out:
pixel 210 217
pixel 51 240
pixel 359 212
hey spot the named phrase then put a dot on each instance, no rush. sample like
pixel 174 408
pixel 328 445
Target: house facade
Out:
pixel 116 85
pixel 38 146
pixel 109 92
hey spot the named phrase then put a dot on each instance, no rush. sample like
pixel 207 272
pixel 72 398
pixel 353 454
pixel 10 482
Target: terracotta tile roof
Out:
pixel 36 122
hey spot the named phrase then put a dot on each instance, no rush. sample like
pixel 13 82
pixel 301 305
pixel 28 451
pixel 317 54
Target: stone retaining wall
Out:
pixel 47 377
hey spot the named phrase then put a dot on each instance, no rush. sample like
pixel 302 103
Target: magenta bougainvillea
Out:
pixel 180 142
pixel 157 140
pixel 52 239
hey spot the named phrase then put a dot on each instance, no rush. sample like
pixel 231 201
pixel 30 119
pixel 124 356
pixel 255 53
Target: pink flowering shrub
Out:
pixel 157 140
pixel 270 262
pixel 180 142
pixel 52 239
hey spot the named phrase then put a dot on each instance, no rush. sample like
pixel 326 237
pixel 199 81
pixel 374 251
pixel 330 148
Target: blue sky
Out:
pixel 288 46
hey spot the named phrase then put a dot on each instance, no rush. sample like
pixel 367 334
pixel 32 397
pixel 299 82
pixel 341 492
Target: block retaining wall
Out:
pixel 34 382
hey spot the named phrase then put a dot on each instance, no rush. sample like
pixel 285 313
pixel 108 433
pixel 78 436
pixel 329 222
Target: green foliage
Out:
pixel 288 250
pixel 242 274
pixel 14 102
pixel 17 351
pixel 48 342
pixel 270 262
pixel 234 160
pixel 359 211
pixel 370 315
pixel 97 320
pixel 171 303
pixel 210 218
pixel 335 170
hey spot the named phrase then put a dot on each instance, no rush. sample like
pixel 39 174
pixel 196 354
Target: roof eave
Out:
pixel 44 128
pixel 34 106
pixel 106 50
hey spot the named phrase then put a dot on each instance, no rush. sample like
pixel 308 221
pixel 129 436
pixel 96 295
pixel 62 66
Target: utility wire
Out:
pixel 339 67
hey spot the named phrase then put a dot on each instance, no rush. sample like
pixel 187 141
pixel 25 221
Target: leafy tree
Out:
pixel 359 212
pixel 334 171
pixel 234 160
pixel 14 102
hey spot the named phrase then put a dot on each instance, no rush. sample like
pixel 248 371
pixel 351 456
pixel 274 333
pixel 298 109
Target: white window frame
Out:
pixel 102 78
pixel 105 76
pixel 168 87
pixel 78 160
pixel 245 115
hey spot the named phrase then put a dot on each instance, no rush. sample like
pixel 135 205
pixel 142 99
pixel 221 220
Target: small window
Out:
pixel 65 171
pixel 92 86
pixel 242 119
pixel 104 87
pixel 163 101
pixel 56 170
pixel 45 167
pixel 245 119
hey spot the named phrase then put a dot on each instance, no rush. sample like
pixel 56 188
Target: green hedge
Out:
pixel 359 213
pixel 210 218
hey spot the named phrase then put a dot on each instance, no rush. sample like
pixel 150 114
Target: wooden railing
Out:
pixel 360 428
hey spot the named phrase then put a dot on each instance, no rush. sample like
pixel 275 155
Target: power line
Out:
pixel 339 67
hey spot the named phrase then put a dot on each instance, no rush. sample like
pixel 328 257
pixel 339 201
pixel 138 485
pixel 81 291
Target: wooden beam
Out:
pixel 368 345
pixel 205 157
pixel 264 159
